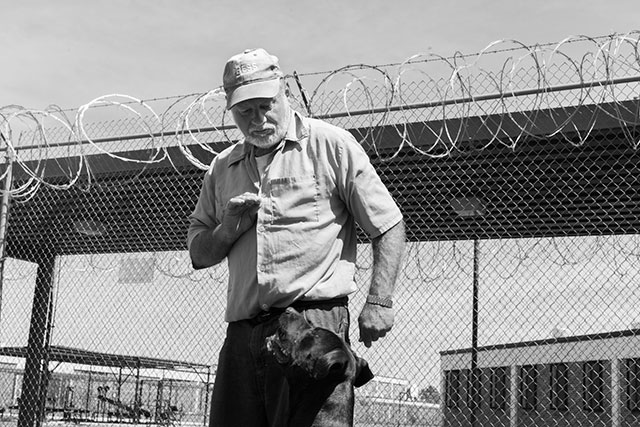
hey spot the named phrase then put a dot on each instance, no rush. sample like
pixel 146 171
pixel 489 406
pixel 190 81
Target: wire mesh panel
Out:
pixel 518 174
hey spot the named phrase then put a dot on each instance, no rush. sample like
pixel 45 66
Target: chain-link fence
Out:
pixel 517 170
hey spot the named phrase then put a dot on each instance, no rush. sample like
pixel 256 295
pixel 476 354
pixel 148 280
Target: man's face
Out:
pixel 263 121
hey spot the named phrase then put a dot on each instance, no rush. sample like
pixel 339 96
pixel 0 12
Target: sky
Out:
pixel 69 52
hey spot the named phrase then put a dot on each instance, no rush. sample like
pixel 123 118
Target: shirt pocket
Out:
pixel 294 199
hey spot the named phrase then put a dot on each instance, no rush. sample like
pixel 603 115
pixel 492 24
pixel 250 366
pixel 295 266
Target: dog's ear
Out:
pixel 363 373
pixel 333 363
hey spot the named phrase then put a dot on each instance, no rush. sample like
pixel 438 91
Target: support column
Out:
pixel 137 396
pixel 206 398
pixel 513 397
pixel 474 371
pixel 4 216
pixel 88 396
pixel 36 375
pixel 616 399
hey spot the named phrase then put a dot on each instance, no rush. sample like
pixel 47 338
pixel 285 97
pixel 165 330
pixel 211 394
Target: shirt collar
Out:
pixel 296 132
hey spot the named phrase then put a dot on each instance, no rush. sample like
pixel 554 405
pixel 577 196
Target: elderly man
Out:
pixel 281 206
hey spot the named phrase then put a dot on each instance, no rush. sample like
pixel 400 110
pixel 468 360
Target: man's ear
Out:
pixel 333 363
pixel 363 373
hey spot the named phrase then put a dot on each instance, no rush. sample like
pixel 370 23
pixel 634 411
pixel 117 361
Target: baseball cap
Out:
pixel 251 74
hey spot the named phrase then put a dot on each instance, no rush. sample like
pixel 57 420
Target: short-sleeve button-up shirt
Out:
pixel 317 184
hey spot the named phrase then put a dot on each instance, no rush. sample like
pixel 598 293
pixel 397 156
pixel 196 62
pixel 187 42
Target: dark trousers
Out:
pixel 250 389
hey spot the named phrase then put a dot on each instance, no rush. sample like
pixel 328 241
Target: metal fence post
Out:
pixel 34 388
pixel 475 401
pixel 4 215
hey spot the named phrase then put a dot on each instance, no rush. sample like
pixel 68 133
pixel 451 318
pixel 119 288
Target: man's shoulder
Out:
pixel 232 153
pixel 220 164
pixel 327 135
pixel 322 127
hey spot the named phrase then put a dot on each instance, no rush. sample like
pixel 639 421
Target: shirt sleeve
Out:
pixel 362 190
pixel 204 216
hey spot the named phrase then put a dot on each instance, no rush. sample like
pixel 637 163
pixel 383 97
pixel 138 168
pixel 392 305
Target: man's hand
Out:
pixel 374 322
pixel 209 248
pixel 240 214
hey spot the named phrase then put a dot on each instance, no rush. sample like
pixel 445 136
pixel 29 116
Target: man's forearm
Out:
pixel 388 250
pixel 210 247
pixel 376 318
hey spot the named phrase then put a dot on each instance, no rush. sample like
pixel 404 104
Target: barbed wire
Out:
pixel 438 264
pixel 498 96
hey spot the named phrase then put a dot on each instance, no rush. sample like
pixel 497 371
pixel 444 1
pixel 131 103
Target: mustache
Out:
pixel 261 128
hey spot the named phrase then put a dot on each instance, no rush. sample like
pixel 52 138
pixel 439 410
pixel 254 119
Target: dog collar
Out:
pixel 381 301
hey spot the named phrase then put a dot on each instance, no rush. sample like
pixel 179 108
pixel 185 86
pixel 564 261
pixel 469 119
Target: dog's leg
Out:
pixel 324 408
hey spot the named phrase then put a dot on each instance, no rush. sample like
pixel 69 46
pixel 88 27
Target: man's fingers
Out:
pixel 239 201
pixel 240 204
pixel 368 337
pixel 365 340
pixel 243 203
pixel 374 323
pixel 247 197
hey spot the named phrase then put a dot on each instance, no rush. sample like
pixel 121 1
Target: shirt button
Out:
pixel 265 307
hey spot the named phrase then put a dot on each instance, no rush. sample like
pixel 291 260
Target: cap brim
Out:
pixel 264 89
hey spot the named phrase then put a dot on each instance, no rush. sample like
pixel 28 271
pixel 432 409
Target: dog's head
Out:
pixel 316 353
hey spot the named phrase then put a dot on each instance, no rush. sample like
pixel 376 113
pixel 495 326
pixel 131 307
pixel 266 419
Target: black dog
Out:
pixel 320 368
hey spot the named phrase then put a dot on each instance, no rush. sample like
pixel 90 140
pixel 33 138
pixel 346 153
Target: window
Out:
pixel 452 389
pixel 633 384
pixel 474 388
pixel 593 386
pixel 559 386
pixel 528 386
pixel 498 386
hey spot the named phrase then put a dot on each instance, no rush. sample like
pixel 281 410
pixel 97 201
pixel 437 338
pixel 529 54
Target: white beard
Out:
pixel 264 141
pixel 267 141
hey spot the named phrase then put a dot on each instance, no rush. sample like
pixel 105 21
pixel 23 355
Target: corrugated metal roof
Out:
pixel 86 357
pixel 558 340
